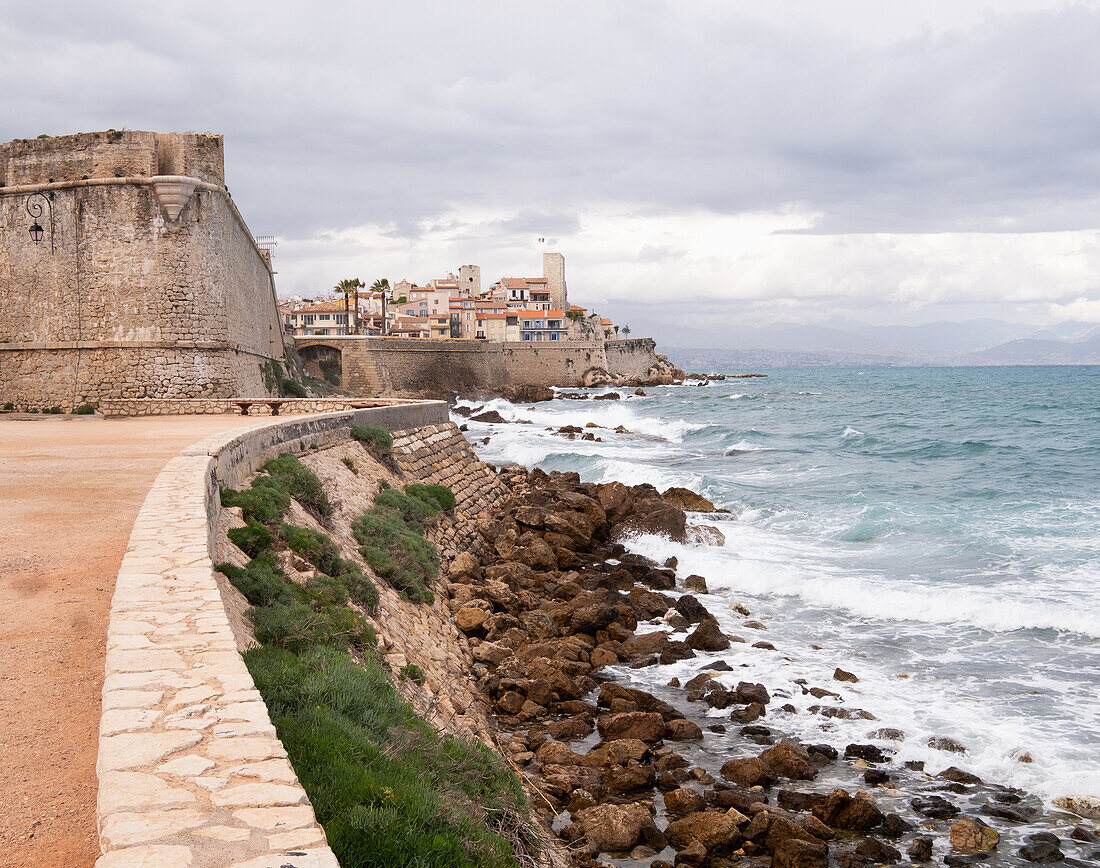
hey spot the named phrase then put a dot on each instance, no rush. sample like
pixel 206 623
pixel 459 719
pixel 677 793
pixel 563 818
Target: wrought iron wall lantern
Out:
pixel 36 208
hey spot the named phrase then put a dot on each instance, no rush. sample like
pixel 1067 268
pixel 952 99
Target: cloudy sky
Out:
pixel 796 160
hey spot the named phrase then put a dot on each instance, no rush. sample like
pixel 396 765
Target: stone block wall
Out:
pixel 630 357
pixel 120 300
pixel 404 366
pixel 441 455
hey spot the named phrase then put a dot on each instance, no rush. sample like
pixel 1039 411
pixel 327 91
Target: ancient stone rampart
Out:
pixel 145 283
pixel 405 366
pixel 191 771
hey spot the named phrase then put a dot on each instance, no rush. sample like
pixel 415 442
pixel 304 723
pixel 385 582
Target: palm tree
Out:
pixel 346 287
pixel 382 285
pixel 626 330
pixel 616 331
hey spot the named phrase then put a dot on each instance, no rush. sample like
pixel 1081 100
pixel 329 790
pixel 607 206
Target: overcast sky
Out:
pixel 784 160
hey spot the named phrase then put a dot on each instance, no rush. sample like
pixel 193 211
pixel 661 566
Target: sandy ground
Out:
pixel 70 488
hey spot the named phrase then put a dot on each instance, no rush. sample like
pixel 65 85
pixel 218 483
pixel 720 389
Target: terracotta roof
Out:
pixel 578 307
pixel 540 314
pixel 322 307
pixel 605 321
pixel 513 282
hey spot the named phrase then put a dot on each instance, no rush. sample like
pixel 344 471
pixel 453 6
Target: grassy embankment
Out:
pixel 387 787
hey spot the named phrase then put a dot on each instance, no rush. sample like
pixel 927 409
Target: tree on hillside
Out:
pixel 347 288
pixel 574 315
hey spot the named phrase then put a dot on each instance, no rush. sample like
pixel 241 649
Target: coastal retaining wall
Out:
pixel 406 366
pixel 191 771
pixel 214 407
pixel 146 282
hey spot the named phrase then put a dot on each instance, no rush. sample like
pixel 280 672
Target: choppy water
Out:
pixel 936 531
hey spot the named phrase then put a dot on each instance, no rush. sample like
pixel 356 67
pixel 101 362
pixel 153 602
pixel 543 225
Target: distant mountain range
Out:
pixel 975 342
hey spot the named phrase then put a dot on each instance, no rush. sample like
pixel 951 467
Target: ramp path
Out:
pixel 70 489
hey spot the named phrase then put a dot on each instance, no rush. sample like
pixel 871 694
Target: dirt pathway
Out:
pixel 70 488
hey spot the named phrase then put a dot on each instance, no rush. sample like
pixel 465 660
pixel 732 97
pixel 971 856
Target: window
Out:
pixel 308 318
pixel 554 336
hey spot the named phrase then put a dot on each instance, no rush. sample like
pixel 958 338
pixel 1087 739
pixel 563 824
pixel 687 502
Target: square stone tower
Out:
pixel 469 280
pixel 553 269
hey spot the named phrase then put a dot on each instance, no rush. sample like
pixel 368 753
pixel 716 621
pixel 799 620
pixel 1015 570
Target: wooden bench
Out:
pixel 274 405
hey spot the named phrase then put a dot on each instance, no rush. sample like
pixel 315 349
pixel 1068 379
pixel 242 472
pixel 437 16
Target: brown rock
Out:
pixel 816 828
pixel 616 500
pixel 972 835
pixel 840 675
pixel 471 619
pixel 683 730
pixel 708 636
pixel 652 516
pixel 571 728
pixel 686 499
pixel 511 702
pixel 789 760
pixel 693 854
pixel 713 829
pixel 696 583
pixel 618 828
pixel 801 853
pixel 464 568
pixel 752 711
pixel 879 852
pixel 621 780
pixel 944 743
pixel 535 553
pixel 842 811
pixel 619 752
pixel 683 801
pixel 748 772
pixel 643 725
pixel 561 780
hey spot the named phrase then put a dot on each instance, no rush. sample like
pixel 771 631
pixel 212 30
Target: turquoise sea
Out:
pixel 936 531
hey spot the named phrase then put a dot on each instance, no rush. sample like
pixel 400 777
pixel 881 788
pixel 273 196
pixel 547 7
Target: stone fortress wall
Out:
pixel 146 284
pixel 404 366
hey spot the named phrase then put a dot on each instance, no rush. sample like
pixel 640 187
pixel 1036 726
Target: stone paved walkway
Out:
pixel 70 488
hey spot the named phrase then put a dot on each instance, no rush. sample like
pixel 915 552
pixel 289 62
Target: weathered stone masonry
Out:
pixel 373 366
pixel 146 283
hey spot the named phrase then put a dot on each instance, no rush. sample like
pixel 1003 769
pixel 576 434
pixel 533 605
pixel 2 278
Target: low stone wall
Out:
pixel 220 406
pixel 410 366
pixel 191 771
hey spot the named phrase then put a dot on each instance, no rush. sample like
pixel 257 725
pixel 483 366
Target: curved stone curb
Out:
pixel 191 771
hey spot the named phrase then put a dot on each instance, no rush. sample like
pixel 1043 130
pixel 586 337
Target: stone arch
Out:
pixel 323 361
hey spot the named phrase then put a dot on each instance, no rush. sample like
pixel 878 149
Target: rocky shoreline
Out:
pixel 558 615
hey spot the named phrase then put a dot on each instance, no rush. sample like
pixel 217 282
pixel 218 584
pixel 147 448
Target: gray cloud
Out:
pixel 408 116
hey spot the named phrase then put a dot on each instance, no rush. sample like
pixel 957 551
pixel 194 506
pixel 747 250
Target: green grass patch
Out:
pixel 388 789
pixel 8 405
pixel 440 495
pixel 411 672
pixel 350 465
pixel 297 625
pixel 374 436
pixel 84 410
pixel 261 582
pixel 397 552
pixel 300 483
pixel 411 509
pixel 265 501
